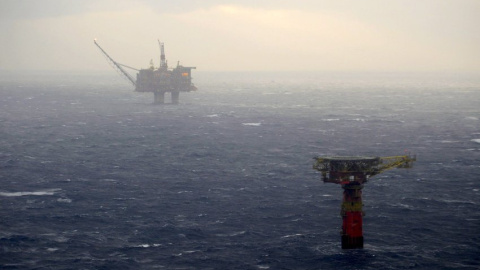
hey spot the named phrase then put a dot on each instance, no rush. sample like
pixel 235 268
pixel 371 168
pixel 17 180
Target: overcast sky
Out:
pixel 243 35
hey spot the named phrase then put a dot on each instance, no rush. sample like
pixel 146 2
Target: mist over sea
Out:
pixel 94 176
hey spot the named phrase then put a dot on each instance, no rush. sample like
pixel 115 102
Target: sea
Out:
pixel 95 176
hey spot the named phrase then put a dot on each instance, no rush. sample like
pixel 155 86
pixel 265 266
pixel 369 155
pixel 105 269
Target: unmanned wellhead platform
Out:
pixel 159 80
pixel 352 173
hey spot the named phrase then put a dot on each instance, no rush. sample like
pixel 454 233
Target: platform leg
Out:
pixel 175 97
pixel 159 97
pixel 352 231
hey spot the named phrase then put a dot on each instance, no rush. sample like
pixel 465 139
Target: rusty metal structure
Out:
pixel 352 173
pixel 159 80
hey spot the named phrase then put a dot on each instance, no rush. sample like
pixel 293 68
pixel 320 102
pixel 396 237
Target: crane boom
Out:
pixel 116 65
pixel 387 163
pixel 332 167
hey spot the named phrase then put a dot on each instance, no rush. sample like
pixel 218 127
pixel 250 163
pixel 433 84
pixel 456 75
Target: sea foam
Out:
pixel 252 124
pixel 30 193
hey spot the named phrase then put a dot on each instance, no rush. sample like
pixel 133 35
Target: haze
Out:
pixel 376 35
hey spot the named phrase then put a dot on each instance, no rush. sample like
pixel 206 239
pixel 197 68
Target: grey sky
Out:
pixel 346 35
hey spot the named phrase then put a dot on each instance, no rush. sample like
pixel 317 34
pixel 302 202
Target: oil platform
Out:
pixel 159 80
pixel 352 173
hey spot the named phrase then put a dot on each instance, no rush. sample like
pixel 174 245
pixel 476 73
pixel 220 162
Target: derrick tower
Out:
pixel 352 173
pixel 159 80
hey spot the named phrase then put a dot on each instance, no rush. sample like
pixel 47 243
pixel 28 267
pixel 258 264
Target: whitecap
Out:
pixel 471 118
pixel 238 233
pixel 457 201
pixel 64 200
pixel 212 115
pixel 231 234
pixel 476 140
pixel 46 192
pixel 252 124
pixel 331 119
pixel 292 235
pixel 148 245
pixel 402 205
pixel 190 251
pixel 357 119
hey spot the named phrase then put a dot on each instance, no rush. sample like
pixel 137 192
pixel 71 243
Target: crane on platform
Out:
pixel 352 173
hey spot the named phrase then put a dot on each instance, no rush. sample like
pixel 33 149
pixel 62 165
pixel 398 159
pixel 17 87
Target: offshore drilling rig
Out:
pixel 352 173
pixel 158 81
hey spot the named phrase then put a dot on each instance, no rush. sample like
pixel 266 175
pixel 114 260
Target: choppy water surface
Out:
pixel 93 176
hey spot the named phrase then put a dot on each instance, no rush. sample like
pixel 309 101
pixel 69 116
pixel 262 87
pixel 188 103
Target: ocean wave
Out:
pixel 252 124
pixel 147 245
pixel 47 192
pixel 357 119
pixel 331 119
pixel 64 200
pixel 231 234
pixel 292 235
